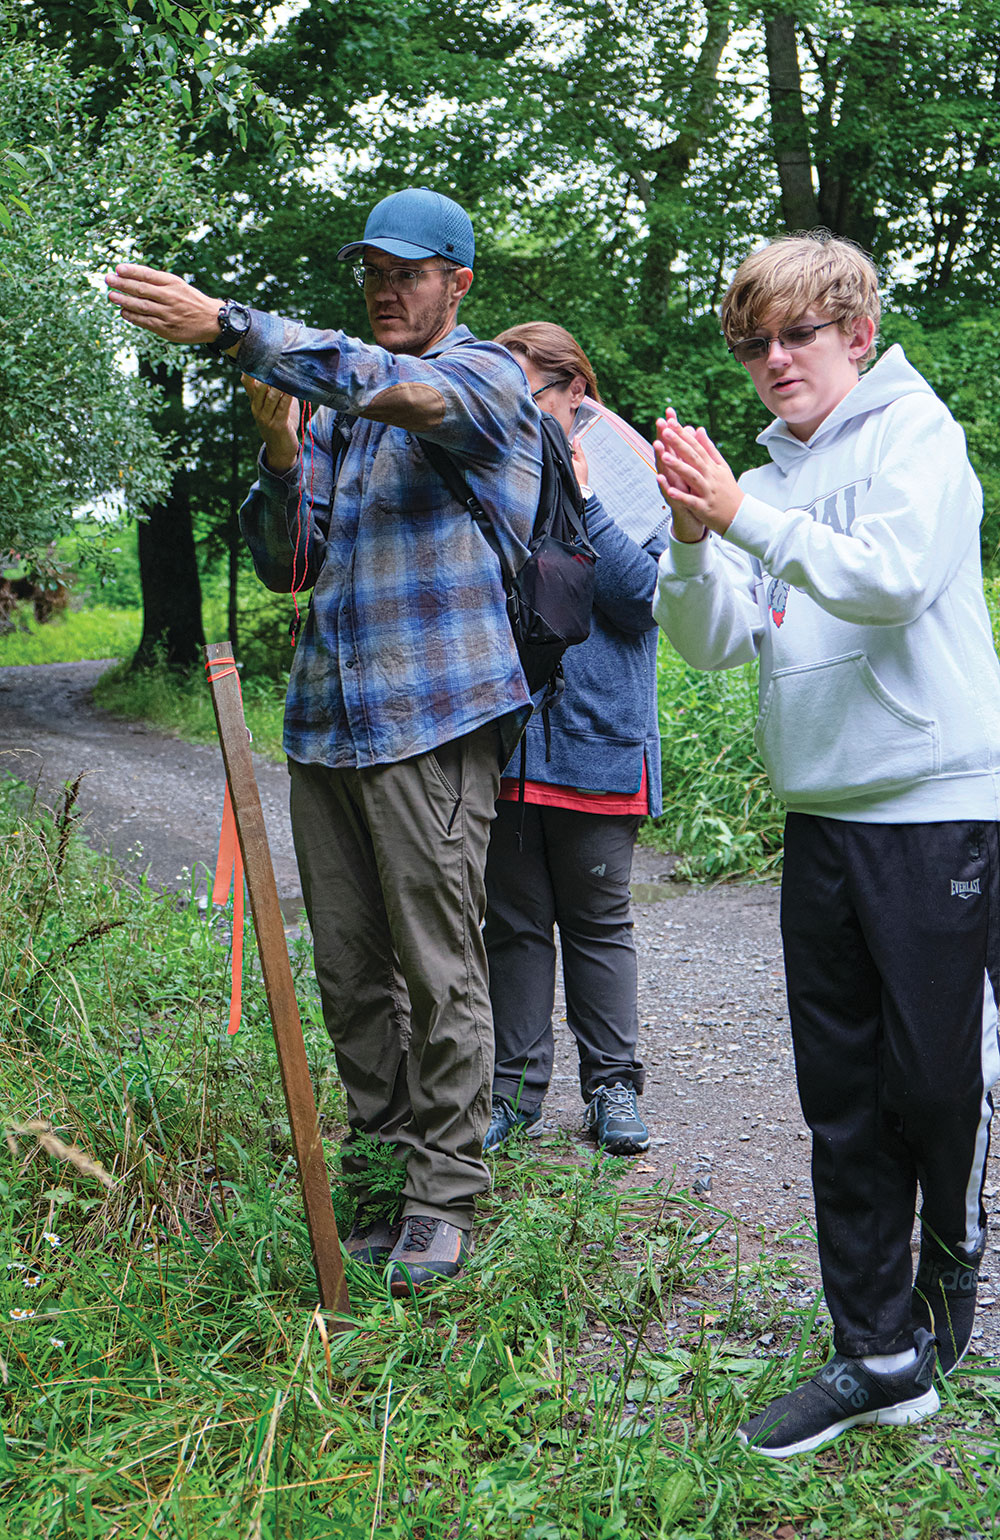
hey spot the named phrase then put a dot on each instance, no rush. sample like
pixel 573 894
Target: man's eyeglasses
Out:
pixel 550 385
pixel 790 337
pixel 402 280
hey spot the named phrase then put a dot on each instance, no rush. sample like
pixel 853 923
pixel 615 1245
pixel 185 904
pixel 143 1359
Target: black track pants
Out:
pixel 892 957
pixel 572 870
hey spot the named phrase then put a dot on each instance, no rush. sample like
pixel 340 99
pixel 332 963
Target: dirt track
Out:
pixel 720 1098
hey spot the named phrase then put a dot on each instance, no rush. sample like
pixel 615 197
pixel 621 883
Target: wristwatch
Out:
pixel 234 321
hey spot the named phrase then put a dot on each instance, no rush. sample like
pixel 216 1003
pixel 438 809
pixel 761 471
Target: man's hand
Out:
pixel 164 304
pixel 695 480
pixel 277 419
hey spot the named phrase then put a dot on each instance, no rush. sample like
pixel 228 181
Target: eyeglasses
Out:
pixel 402 280
pixel 790 337
pixel 565 379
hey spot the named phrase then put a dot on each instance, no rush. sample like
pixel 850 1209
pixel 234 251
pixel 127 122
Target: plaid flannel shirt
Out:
pixel 406 644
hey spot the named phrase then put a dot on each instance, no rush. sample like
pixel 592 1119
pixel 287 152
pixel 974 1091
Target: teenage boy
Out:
pixel 850 566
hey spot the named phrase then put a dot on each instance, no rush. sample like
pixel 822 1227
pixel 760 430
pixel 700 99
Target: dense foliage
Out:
pixel 618 158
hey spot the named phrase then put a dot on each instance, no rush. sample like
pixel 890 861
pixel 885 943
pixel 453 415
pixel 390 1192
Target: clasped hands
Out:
pixel 695 480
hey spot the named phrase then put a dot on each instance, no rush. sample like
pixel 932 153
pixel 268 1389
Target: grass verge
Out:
pixel 72 637
pixel 165 1372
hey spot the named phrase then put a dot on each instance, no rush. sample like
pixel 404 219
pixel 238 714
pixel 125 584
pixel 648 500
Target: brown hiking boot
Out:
pixel 427 1251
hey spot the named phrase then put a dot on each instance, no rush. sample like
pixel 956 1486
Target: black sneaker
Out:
pixel 842 1395
pixel 427 1251
pixel 372 1238
pixel 944 1297
pixel 614 1121
pixel 507 1120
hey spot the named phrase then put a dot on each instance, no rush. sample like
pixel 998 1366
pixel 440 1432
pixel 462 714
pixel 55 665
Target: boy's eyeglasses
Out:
pixel 402 280
pixel 790 337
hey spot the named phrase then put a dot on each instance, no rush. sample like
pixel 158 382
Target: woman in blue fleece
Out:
pixel 584 800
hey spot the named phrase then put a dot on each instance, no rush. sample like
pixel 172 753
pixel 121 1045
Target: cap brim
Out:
pixel 392 248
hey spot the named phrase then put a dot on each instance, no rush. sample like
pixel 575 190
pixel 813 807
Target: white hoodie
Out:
pixel 852 568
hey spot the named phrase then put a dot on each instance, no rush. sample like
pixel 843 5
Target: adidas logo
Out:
pixel 598 871
pixel 840 1379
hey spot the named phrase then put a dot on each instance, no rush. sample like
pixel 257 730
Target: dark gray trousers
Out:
pixel 892 954
pixel 391 860
pixel 573 871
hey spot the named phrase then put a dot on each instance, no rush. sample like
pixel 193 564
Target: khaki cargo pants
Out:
pixel 392 859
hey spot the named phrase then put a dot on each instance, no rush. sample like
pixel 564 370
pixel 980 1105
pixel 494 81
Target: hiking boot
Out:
pixel 944 1297
pixel 614 1121
pixel 507 1120
pixel 842 1395
pixel 372 1238
pixel 427 1251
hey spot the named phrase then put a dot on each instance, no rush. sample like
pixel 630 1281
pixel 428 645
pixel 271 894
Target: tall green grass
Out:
pixel 74 636
pixel 165 1371
pixel 719 813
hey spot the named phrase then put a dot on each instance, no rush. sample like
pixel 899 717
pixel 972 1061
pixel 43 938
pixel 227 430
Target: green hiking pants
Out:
pixel 392 859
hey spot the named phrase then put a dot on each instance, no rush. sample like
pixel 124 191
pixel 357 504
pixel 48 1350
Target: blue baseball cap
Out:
pixel 417 223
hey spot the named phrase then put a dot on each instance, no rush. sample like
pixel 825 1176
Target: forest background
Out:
pixel 618 157
pixel 163 1368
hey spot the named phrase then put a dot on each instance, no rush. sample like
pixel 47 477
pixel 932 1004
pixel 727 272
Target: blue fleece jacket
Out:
pixel 605 724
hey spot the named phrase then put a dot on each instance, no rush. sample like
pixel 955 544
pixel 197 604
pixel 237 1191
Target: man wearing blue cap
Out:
pixel 405 687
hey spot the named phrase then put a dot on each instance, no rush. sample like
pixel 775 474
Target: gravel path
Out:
pixel 720 1096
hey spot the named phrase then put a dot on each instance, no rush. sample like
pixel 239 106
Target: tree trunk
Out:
pixel 168 570
pixel 799 208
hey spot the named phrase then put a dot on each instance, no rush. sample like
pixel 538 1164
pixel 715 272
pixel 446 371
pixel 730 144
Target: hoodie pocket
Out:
pixel 830 731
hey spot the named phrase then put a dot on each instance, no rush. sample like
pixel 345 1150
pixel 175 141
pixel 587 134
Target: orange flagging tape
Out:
pixel 229 867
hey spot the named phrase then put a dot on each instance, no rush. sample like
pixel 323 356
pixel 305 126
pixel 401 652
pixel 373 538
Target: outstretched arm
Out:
pixel 164 304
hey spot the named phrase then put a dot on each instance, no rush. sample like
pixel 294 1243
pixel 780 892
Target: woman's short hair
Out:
pixel 552 350
pixel 810 270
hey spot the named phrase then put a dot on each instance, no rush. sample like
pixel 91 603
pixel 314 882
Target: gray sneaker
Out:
pixel 613 1120
pixel 427 1251
pixel 507 1120
pixel 372 1238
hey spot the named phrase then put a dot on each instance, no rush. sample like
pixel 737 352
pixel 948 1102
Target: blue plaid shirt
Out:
pixel 406 644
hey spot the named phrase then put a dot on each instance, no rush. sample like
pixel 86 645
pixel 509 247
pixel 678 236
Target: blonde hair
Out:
pixel 812 269
pixel 552 349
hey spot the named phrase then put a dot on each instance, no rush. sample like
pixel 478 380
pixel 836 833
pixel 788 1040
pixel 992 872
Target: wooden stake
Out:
pixel 278 985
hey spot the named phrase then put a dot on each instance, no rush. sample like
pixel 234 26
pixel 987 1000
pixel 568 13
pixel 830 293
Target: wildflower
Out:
pixel 21 1315
pixel 57 1342
pixel 31 1281
pixel 52 1238
pixel 22 1267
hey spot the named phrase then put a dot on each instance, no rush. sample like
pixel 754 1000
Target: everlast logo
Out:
pixel 840 1379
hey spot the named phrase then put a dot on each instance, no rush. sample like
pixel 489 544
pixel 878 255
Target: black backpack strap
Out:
pixel 343 424
pixel 559 462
